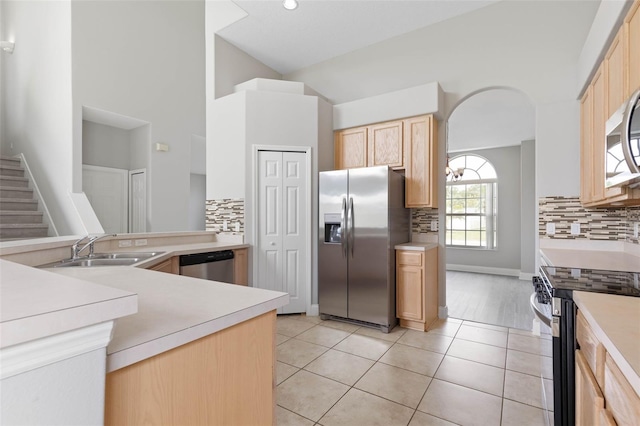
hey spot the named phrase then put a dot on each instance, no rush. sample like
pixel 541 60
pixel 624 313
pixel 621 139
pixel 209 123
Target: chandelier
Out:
pixel 453 175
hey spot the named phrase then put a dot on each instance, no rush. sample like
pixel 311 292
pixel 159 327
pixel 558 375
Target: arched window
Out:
pixel 472 202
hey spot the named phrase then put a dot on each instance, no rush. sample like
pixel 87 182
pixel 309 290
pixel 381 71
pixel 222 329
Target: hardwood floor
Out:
pixel 490 299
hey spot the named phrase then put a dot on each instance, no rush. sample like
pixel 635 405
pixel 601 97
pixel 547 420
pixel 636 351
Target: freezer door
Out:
pixel 369 251
pixel 332 244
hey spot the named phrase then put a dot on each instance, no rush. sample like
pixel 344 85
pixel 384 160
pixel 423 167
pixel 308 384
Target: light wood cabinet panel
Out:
pixel 621 399
pixel 409 289
pixel 632 48
pixel 605 418
pixel 241 266
pixel 417 288
pixel 614 70
pixel 170 266
pixel 385 145
pixel 597 148
pixel 586 143
pixel 591 348
pixel 614 81
pixel 226 378
pixel 420 136
pixel 589 398
pixel 350 148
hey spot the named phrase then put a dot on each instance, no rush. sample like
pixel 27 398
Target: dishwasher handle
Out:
pixel 198 258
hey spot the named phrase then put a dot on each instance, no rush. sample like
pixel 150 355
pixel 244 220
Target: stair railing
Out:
pixel 46 217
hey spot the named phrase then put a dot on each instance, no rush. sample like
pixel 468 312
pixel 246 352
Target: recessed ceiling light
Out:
pixel 290 4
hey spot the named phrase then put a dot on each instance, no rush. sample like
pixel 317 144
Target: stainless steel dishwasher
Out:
pixel 214 266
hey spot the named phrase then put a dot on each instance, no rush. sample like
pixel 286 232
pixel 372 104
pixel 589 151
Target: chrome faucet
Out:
pixel 76 250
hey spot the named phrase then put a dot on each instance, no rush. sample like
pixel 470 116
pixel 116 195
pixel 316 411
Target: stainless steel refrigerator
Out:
pixel 361 219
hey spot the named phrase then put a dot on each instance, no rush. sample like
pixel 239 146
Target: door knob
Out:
pixel 272 243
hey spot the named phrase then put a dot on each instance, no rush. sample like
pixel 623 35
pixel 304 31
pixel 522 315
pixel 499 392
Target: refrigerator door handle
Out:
pixel 351 226
pixel 343 227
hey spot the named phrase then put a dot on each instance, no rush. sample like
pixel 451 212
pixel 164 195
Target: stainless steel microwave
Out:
pixel 623 145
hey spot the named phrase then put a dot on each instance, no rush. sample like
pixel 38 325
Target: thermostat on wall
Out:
pixel 162 147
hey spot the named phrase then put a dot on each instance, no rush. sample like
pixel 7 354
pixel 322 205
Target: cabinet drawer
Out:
pixel 622 400
pixel 413 258
pixel 591 348
pixel 589 399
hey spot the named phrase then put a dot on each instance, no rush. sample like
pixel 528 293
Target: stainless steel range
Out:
pixel 553 303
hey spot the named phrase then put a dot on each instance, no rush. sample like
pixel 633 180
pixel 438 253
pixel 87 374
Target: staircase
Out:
pixel 19 215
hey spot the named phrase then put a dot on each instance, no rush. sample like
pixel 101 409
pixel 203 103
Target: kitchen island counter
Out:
pixel 172 310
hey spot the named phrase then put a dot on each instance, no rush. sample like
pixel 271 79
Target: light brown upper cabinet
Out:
pixel 614 71
pixel 374 145
pixel 617 77
pixel 420 138
pixel 586 142
pixel 409 144
pixel 632 47
pixel 599 118
pixel 350 148
pixel 385 145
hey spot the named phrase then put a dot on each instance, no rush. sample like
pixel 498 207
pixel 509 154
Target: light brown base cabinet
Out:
pixel 603 395
pixel 417 288
pixel 227 378
pixel 240 266
pixel 170 266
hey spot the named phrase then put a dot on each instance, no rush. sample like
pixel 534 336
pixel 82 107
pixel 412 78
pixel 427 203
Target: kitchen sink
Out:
pixel 103 259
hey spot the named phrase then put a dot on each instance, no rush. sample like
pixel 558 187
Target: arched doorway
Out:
pixel 488 279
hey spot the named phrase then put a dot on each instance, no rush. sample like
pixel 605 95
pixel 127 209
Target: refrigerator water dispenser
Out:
pixel 332 228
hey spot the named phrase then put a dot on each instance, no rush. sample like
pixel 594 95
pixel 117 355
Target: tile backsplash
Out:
pixel 229 210
pixel 421 220
pixel 611 224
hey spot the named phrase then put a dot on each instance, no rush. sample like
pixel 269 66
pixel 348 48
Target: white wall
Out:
pixel 528 208
pixel 527 45
pixel 226 171
pixel 233 66
pixel 146 60
pixel 197 200
pixel 69 392
pixel 506 161
pixel 606 23
pixel 251 118
pixel 105 146
pixel 36 100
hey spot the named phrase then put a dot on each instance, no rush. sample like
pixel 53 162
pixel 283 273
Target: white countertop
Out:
pixel 416 246
pixel 178 250
pixel 35 303
pixel 592 259
pixel 172 309
pixel 591 254
pixel 616 323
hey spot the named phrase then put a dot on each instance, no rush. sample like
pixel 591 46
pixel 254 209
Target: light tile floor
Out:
pixel 460 372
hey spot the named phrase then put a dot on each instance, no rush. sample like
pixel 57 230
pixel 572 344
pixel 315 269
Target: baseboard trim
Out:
pixel 483 270
pixel 443 312
pixel 313 311
pixel 526 276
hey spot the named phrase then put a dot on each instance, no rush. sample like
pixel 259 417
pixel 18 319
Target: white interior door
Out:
pixel 138 201
pixel 107 191
pixel 283 257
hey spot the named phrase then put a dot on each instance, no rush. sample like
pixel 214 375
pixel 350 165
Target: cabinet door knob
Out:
pixel 272 243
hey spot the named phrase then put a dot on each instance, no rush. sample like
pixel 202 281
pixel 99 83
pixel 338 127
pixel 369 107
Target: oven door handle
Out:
pixel 541 316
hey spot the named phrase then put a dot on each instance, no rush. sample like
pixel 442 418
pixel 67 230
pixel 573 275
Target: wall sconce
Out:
pixel 7 46
pixel 290 4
